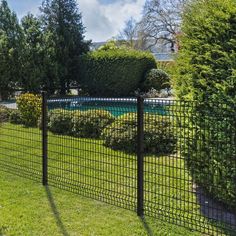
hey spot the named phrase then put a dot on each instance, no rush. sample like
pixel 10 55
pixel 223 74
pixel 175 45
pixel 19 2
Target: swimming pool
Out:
pixel 117 106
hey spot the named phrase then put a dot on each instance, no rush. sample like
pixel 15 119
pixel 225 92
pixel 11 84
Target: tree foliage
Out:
pixel 160 24
pixel 63 22
pixel 11 38
pixel 41 52
pixel 207 75
pixel 33 63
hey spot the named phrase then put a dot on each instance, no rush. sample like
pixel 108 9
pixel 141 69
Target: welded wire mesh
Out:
pixel 20 148
pixel 189 156
pixel 183 184
pixel 80 161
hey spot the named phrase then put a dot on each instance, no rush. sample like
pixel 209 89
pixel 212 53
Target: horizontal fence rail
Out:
pixel 172 160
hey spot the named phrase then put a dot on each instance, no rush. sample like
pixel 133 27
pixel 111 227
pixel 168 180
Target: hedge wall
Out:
pixel 206 73
pixel 114 72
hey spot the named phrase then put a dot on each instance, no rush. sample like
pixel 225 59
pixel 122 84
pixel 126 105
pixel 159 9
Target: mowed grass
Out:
pixel 29 209
pixel 87 167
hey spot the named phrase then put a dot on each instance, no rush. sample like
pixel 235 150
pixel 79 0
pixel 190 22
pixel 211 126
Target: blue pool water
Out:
pixel 117 107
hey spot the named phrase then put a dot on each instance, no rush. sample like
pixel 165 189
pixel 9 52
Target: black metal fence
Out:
pixel 173 160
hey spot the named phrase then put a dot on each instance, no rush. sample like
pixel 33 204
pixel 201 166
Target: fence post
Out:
pixel 44 139
pixel 140 155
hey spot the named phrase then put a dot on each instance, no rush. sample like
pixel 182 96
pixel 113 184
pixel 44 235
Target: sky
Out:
pixel 103 19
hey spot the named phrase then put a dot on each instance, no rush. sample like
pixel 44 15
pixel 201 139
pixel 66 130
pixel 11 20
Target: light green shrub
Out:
pixel 29 106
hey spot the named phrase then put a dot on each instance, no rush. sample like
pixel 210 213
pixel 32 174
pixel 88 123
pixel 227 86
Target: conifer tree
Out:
pixel 207 75
pixel 63 22
pixel 33 66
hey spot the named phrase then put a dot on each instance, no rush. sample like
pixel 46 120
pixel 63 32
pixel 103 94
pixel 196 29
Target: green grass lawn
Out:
pixel 28 209
pixel 88 168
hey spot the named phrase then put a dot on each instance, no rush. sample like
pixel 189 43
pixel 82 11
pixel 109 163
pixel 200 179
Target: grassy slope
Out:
pixel 26 209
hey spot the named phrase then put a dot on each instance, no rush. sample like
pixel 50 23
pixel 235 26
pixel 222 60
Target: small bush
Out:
pixel 29 106
pixel 15 117
pixel 4 114
pixel 156 79
pixel 60 121
pixel 114 72
pixel 158 133
pixel 89 124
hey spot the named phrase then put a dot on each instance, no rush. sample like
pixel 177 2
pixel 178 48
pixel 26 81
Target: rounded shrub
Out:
pixel 60 121
pixel 4 113
pixel 89 124
pixel 116 72
pixel 158 134
pixel 15 117
pixel 156 79
pixel 29 106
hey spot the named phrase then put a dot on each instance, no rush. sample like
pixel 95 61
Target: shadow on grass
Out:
pixel 55 212
pixel 146 226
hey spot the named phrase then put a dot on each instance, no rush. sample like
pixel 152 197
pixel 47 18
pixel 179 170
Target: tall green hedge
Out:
pixel 114 72
pixel 207 75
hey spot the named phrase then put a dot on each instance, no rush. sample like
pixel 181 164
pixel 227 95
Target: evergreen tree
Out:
pixel 63 23
pixel 206 62
pixel 33 64
pixel 207 75
pixel 11 40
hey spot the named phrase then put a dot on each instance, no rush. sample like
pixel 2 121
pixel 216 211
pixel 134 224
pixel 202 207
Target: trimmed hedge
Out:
pixel 206 74
pixel 114 72
pixel 89 124
pixel 158 134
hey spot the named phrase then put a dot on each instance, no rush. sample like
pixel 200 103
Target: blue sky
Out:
pixel 103 19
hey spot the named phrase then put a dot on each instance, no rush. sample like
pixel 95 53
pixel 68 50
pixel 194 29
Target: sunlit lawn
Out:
pixel 27 208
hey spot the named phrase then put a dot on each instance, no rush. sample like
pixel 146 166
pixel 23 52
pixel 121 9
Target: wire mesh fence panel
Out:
pixel 20 145
pixel 189 158
pixel 84 153
pixel 172 160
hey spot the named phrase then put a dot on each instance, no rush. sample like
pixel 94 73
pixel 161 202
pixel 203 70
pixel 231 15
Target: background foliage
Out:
pixel 41 52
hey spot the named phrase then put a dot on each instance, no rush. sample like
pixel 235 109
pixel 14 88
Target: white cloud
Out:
pixel 103 21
